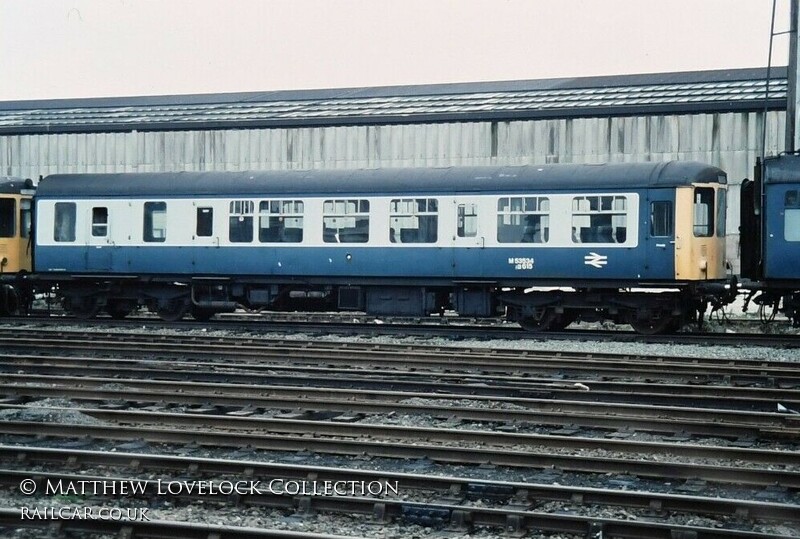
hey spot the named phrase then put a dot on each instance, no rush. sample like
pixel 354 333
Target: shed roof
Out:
pixel 386 181
pixel 664 93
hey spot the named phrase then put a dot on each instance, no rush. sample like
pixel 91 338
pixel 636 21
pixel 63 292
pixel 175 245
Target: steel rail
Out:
pixel 156 529
pixel 585 389
pixel 382 443
pixel 443 328
pixel 659 419
pixel 507 518
pixel 423 350
pixel 521 363
pixel 469 488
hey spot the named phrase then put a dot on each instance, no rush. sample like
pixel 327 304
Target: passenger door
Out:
pixel 469 237
pixel 659 235
pixel 99 246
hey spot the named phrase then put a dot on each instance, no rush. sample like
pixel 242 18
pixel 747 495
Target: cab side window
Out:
pixel 8 215
pixel 25 218
pixel 704 212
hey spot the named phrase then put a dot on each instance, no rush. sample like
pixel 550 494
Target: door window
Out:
pixel 467 220
pixel 661 219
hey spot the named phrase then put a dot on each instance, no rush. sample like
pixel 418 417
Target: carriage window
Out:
pixel 345 221
pixel 599 219
pixel 155 221
pixel 661 219
pixel 99 222
pixel 64 222
pixel 205 222
pixel 523 220
pixel 791 217
pixel 413 220
pixel 280 221
pixel 703 212
pixel 722 203
pixel 467 220
pixel 8 214
pixel 25 218
pixel 241 221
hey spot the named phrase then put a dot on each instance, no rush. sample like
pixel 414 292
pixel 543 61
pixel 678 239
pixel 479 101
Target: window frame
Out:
pixel 710 212
pixel 600 211
pixel 150 210
pixel 529 206
pixel 463 217
pixel 8 217
pixel 339 208
pixel 791 216
pixel 277 213
pixel 100 221
pixel 241 221
pixel 59 223
pixel 207 230
pixel 398 209
pixel 669 219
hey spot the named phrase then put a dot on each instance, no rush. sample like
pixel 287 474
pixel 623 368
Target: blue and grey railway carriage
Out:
pixel 546 245
pixel 770 235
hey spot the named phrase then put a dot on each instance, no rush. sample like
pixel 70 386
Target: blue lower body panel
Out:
pixel 529 263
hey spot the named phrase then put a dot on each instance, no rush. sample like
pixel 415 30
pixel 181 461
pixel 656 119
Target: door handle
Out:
pixel 662 245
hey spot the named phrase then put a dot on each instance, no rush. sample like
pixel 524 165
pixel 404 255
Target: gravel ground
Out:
pixel 358 526
pixel 535 343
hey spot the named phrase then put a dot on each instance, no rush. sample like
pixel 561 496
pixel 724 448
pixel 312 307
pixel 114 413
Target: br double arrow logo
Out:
pixel 596 260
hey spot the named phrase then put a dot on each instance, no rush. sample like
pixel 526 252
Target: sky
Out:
pixel 96 48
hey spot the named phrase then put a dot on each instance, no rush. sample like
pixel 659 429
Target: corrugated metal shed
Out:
pixel 670 93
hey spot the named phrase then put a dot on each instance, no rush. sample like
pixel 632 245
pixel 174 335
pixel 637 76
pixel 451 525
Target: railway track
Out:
pixel 741 466
pixel 527 363
pixel 433 327
pixel 570 418
pixel 466 406
pixel 508 505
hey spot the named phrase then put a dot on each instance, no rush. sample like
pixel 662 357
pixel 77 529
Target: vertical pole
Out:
pixel 792 141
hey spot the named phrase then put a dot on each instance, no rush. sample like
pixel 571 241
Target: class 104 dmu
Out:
pixel 635 243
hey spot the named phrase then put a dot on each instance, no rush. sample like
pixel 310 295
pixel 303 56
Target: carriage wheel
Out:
pixel 119 308
pixel 202 315
pixel 84 308
pixel 541 320
pixel 172 310
pixel 561 321
pixel 655 326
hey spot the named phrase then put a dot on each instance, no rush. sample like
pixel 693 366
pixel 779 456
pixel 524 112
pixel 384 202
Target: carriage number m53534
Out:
pixel 521 263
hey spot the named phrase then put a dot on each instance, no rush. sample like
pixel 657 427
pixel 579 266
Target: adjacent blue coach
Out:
pixel 770 234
